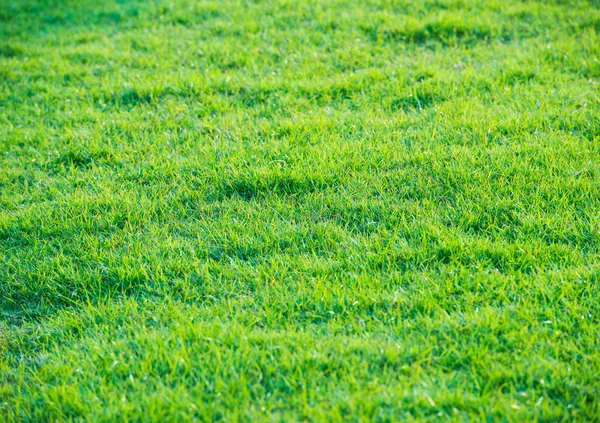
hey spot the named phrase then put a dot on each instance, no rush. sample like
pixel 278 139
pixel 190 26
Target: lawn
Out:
pixel 332 211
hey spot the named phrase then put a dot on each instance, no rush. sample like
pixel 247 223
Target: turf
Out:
pixel 299 210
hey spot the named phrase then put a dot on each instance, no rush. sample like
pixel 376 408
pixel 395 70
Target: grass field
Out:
pixel 299 210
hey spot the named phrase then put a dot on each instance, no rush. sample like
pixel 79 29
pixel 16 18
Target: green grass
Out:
pixel 299 210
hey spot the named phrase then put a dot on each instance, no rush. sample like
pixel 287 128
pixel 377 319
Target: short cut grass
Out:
pixel 299 210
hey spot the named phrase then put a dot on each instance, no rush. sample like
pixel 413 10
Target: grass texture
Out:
pixel 341 211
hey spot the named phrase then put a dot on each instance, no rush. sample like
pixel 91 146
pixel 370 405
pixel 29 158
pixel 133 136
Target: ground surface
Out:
pixel 283 210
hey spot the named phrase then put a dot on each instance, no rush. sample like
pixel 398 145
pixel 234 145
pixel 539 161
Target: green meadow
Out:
pixel 316 210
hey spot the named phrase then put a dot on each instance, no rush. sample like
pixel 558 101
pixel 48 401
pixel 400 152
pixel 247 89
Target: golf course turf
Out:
pixel 322 210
